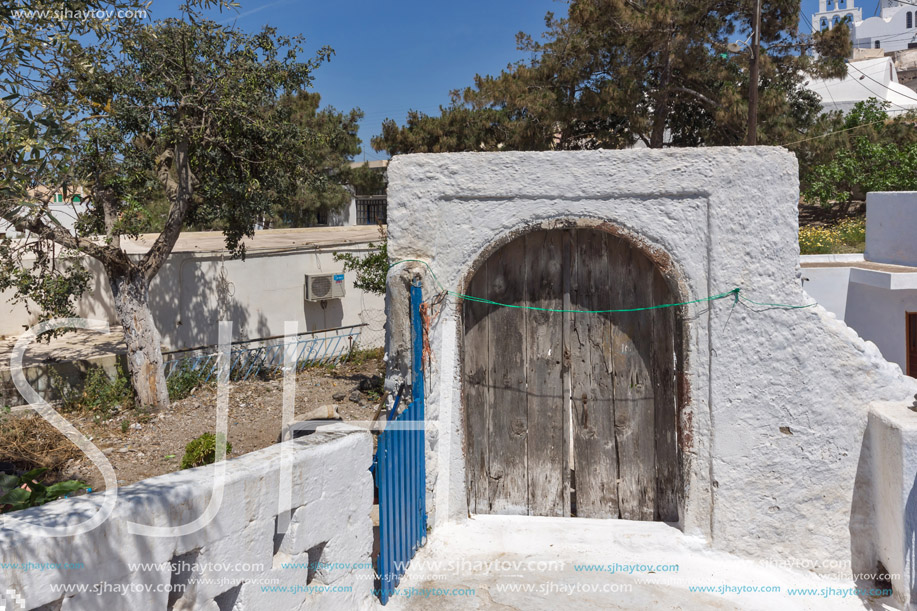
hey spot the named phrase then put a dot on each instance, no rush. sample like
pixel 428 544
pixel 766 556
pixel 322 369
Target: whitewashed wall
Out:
pixel 194 290
pixel 777 462
pixel 828 286
pixel 893 433
pixel 891 224
pixel 229 564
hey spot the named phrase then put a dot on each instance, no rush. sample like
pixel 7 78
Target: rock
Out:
pixel 136 426
pixel 307 423
pixel 356 397
pixel 325 412
pixel 339 396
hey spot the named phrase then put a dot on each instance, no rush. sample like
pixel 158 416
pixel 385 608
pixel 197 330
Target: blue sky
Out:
pixel 396 55
pixel 405 54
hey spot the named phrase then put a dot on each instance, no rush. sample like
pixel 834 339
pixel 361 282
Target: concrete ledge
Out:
pixel 884 280
pixel 840 258
pixel 235 561
pixel 893 437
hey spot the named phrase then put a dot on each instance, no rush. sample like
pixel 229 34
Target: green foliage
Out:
pixel 202 451
pixel 360 356
pixel 98 394
pixel 614 73
pixel 183 380
pixel 24 491
pixel 334 141
pixel 371 269
pixel 874 154
pixel 368 181
pixel 53 281
pixel 848 236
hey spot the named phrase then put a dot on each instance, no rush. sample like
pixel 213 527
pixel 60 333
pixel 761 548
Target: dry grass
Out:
pixel 30 442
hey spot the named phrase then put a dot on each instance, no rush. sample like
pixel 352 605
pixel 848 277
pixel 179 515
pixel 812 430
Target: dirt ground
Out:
pixel 154 444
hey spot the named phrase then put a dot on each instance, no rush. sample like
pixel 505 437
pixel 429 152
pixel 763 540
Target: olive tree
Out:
pixel 182 110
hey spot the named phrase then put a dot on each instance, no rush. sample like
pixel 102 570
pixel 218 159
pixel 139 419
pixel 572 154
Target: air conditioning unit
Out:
pixel 321 287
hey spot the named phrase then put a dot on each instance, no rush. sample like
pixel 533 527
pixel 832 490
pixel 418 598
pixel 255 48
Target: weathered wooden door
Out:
pixel 570 413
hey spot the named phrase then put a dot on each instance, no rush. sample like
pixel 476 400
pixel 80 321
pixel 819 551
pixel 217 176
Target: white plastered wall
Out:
pixel 773 428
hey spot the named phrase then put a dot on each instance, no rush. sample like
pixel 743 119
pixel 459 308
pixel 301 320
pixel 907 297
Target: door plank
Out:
pixel 507 433
pixel 477 393
pixel 634 409
pixel 665 404
pixel 592 398
pixel 544 392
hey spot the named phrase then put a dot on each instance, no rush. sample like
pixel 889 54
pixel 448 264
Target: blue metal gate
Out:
pixel 401 472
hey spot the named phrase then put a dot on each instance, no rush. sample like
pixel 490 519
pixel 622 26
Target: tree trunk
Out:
pixel 144 351
pixel 661 111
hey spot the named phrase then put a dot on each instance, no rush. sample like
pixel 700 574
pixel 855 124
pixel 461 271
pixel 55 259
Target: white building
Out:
pixel 870 78
pixel 894 29
pixel 65 210
pixel 363 209
pixel 875 293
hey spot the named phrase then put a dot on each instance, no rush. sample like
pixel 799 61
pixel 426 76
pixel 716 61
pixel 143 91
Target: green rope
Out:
pixel 734 293
pixel 657 307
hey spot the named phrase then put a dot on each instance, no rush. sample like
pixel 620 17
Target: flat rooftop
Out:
pixel 268 239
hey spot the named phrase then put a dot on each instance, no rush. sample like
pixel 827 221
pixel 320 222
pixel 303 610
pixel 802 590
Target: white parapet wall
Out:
pixel 243 559
pixel 893 435
pixel 891 224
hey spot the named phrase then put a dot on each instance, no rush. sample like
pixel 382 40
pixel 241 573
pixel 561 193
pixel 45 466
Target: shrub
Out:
pixel 183 380
pixel 23 491
pixel 202 451
pixel 852 232
pixel 847 236
pixel 99 393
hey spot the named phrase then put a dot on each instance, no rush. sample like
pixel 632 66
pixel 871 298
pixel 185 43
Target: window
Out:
pixel 909 19
pixel 77 199
pixel 371 211
pixel 877 45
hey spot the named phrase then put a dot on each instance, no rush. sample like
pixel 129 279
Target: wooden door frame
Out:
pixel 686 432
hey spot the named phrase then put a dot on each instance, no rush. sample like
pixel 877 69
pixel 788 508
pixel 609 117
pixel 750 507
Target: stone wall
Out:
pixel 776 463
pixel 137 559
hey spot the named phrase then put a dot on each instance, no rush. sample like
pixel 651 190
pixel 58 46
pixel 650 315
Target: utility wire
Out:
pixel 847 129
pixel 882 84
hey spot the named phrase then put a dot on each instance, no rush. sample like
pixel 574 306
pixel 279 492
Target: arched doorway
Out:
pixel 571 413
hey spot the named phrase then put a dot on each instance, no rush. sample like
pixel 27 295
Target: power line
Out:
pixel 838 131
pixel 882 84
pixel 878 97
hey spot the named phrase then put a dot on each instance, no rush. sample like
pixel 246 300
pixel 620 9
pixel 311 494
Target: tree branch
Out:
pixel 62 237
pixel 698 95
pixel 179 189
